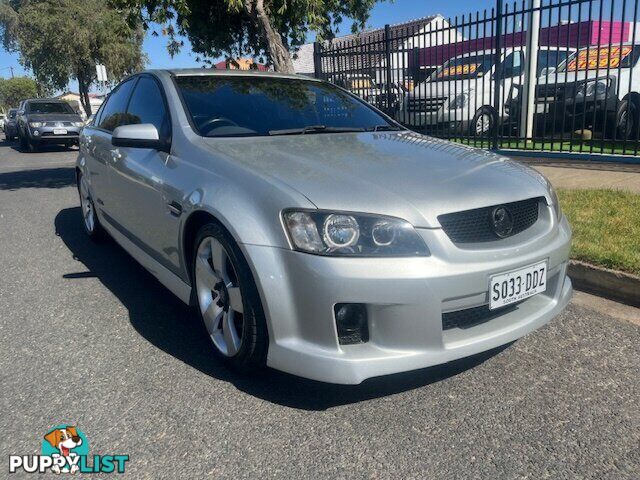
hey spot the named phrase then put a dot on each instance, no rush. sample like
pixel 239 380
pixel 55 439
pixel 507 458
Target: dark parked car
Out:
pixel 46 121
pixel 10 131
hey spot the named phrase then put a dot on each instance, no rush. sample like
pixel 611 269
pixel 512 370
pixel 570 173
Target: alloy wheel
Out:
pixel 88 213
pixel 625 124
pixel 483 124
pixel 219 296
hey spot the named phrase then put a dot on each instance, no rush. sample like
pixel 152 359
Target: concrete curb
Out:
pixel 620 286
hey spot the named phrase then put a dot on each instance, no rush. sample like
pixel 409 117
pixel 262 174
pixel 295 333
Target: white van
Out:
pixel 458 97
pixel 593 85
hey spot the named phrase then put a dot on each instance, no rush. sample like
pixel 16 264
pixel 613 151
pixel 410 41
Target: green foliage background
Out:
pixel 13 90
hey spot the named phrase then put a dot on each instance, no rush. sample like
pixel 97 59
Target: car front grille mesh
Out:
pixel 472 226
pixel 472 317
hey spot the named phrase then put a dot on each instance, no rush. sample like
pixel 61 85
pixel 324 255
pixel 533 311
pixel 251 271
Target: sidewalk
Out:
pixel 581 174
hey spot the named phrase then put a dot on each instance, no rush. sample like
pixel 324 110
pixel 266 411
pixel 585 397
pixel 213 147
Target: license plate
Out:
pixel 511 287
pixel 59 131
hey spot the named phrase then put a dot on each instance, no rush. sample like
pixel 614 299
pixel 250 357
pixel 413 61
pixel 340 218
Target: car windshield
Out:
pixel 225 106
pixel 595 58
pixel 461 68
pixel 550 58
pixel 49 107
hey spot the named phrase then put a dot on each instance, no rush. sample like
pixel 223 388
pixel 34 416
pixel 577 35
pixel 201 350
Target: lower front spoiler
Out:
pixel 366 361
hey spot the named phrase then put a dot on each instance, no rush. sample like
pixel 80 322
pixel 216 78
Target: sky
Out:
pixel 385 12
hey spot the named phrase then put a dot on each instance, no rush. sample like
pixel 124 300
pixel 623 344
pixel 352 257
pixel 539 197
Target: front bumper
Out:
pixel 447 121
pixel 48 135
pixel 405 300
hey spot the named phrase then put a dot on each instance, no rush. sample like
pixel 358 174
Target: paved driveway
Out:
pixel 90 338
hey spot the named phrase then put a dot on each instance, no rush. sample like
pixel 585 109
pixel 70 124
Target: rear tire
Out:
pixel 227 300
pixel 90 221
pixel 627 120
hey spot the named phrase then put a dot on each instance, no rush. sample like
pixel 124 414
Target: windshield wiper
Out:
pixel 314 129
pixel 380 128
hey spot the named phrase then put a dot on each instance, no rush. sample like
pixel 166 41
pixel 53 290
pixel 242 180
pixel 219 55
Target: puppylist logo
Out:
pixel 65 449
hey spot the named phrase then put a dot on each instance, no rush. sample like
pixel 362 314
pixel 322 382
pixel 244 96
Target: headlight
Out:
pixel 460 101
pixel 347 234
pixel 78 124
pixel 36 124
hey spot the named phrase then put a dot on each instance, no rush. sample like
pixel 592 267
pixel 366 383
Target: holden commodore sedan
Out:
pixel 311 232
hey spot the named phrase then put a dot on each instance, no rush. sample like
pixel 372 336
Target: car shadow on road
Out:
pixel 174 328
pixel 38 178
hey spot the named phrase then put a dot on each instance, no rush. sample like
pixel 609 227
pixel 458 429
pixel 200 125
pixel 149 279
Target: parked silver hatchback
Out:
pixel 313 233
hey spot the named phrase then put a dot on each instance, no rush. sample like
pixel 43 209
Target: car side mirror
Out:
pixel 20 112
pixel 142 135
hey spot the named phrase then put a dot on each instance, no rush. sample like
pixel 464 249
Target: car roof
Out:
pixel 45 100
pixel 507 50
pixel 183 72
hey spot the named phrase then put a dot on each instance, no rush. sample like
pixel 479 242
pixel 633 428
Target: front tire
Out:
pixel 484 123
pixel 227 300
pixel 32 146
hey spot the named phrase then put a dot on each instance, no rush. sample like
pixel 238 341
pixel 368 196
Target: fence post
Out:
pixel 527 92
pixel 387 53
pixel 317 61
pixel 498 77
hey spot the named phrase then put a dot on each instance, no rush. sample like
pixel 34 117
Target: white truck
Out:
pixel 596 88
pixel 459 97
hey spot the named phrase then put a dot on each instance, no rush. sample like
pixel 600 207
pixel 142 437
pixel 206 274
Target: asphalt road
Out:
pixel 89 338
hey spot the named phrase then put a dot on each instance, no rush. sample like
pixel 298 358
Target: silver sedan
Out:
pixel 314 234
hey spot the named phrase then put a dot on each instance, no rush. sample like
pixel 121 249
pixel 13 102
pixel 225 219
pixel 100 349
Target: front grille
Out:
pixel 425 105
pixel 58 124
pixel 472 317
pixel 552 92
pixel 472 226
pixel 51 134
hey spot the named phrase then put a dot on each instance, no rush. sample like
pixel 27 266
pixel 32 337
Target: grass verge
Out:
pixel 606 227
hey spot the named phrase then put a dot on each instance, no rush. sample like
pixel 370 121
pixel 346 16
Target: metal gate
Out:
pixel 556 75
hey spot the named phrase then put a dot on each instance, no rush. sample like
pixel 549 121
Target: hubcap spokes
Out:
pixel 87 206
pixel 219 296
pixel 483 123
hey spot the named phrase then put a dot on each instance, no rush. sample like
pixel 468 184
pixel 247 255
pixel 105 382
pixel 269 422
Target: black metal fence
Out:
pixel 472 78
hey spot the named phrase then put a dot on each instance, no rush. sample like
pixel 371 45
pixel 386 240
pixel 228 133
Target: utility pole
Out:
pixel 11 68
pixel 527 91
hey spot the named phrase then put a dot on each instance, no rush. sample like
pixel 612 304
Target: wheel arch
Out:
pixel 192 225
pixel 633 97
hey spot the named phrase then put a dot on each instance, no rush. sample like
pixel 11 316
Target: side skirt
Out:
pixel 167 278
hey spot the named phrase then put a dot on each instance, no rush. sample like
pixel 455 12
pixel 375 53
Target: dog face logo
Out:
pixel 64 439
pixel 65 442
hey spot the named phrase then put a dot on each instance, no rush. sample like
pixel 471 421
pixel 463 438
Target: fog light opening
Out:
pixel 351 323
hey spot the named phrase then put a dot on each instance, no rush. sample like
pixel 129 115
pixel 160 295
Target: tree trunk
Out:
pixel 83 87
pixel 277 51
